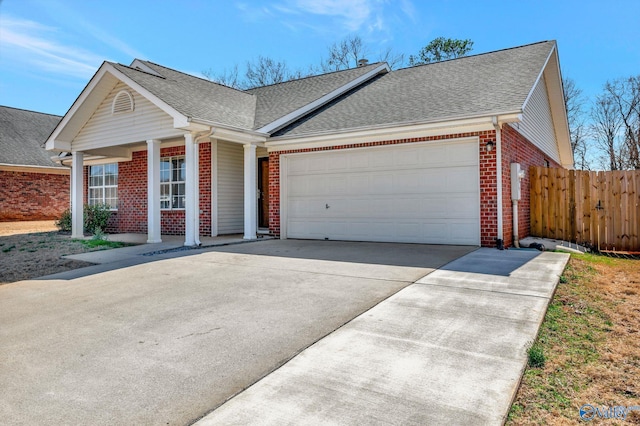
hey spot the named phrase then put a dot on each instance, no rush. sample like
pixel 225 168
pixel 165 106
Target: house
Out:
pixel 365 154
pixel 32 186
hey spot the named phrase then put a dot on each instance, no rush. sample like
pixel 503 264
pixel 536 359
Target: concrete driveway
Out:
pixel 169 340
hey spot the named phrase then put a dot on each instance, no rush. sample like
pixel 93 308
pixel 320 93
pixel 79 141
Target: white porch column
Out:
pixel 190 208
pixel 153 192
pixel 250 192
pixel 77 195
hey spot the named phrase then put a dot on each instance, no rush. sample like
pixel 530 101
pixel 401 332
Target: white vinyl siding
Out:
pixel 230 180
pixel 416 193
pixel 537 123
pixel 106 129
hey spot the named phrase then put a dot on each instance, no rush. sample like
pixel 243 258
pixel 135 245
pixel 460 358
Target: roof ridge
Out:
pixel 317 75
pixel 32 111
pixel 477 54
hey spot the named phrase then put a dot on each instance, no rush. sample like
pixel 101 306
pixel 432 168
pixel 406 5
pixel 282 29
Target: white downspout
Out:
pixel 496 125
pixel 516 237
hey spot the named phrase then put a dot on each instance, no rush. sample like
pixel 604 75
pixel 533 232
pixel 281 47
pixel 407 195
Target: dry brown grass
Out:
pixel 591 341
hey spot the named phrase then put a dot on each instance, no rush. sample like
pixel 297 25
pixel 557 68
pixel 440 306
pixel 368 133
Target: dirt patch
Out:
pixel 14 228
pixel 591 342
pixel 26 256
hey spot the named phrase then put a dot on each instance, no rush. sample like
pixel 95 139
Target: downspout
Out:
pixel 196 142
pixel 516 238
pixel 500 237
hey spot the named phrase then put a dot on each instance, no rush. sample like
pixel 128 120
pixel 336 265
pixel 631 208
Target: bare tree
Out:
pixel 265 71
pixel 625 98
pixel 227 77
pixel 574 103
pixel 393 59
pixel 605 128
pixel 344 54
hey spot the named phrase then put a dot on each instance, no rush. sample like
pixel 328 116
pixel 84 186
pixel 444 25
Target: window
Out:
pixel 172 175
pixel 103 185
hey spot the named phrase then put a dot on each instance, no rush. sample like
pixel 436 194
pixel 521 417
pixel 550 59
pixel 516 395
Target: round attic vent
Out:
pixel 123 102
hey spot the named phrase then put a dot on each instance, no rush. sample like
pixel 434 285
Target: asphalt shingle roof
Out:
pixel 479 85
pixel 277 100
pixel 22 135
pixel 195 97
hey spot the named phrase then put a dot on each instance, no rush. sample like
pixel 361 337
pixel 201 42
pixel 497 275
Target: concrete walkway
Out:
pixel 449 349
pixel 169 243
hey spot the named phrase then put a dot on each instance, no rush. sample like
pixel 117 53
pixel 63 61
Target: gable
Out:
pixel 107 128
pixel 537 122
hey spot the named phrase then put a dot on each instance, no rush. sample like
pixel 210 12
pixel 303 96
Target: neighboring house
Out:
pixel 32 186
pixel 364 154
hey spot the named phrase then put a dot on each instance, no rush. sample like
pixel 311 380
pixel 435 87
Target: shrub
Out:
pixel 64 221
pixel 96 217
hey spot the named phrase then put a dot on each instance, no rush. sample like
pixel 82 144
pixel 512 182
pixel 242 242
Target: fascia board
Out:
pixel 25 168
pixel 540 74
pixel 405 131
pixel 300 112
pixel 555 90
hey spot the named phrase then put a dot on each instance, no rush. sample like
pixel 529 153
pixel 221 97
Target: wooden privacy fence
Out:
pixel 600 209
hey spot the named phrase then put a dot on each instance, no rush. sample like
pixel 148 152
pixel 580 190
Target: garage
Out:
pixel 413 193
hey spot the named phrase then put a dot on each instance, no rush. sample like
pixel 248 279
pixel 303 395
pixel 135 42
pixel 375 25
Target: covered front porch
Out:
pixel 195 186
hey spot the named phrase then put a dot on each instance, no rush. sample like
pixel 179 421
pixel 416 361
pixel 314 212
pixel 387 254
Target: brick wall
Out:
pixel 33 196
pixel 516 147
pixel 132 195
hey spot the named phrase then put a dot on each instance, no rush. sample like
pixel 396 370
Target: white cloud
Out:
pixel 29 43
pixel 349 15
pixel 353 14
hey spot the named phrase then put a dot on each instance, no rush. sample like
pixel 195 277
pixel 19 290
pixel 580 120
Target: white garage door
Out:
pixel 418 193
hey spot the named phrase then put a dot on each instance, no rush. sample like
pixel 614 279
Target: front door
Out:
pixel 263 189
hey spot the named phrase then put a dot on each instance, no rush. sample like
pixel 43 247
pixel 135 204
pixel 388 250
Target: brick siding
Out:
pixel 32 196
pixel 132 195
pixel 518 149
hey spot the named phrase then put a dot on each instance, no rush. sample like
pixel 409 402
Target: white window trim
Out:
pixel 103 186
pixel 170 184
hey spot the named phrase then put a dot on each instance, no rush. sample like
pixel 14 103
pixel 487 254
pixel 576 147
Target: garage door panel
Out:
pixel 423 193
pixel 314 229
pixel 407 182
pixel 359 184
pixel 457 206
pixel 461 179
pixel 407 158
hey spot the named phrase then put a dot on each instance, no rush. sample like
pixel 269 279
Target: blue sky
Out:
pixel 49 49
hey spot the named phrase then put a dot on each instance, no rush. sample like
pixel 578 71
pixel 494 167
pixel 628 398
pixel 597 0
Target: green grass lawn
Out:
pixel 588 348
